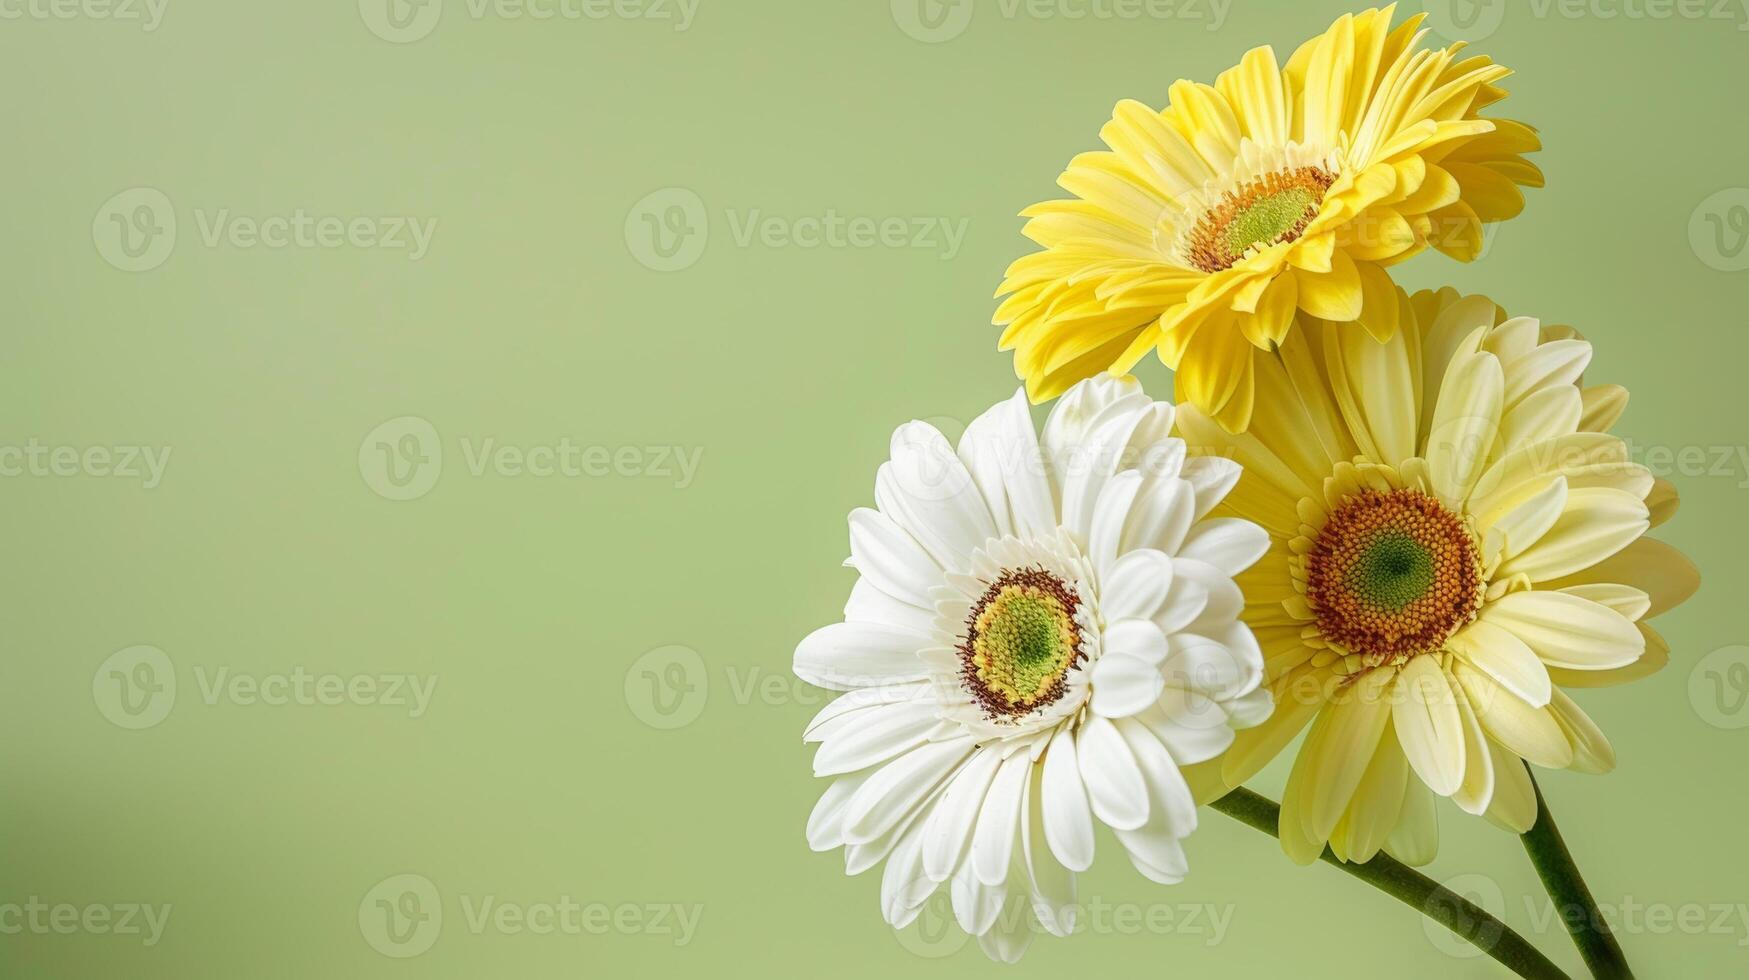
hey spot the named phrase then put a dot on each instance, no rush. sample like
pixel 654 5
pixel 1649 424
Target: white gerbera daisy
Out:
pixel 1044 633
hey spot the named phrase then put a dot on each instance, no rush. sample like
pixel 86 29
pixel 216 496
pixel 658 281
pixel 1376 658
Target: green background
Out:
pixel 535 773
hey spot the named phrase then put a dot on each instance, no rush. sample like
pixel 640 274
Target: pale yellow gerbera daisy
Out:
pixel 1208 224
pixel 1454 539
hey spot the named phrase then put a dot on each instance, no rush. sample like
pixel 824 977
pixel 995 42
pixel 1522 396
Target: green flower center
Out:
pixel 1021 642
pixel 1270 210
pixel 1391 572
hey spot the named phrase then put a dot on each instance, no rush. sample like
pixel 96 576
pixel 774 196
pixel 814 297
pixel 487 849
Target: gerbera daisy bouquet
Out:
pixel 1385 534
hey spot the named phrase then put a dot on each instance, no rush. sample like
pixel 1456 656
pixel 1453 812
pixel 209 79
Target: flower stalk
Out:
pixel 1574 905
pixel 1464 918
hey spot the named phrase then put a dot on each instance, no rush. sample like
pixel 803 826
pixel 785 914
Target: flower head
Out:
pixel 1044 634
pixel 1455 539
pixel 1207 225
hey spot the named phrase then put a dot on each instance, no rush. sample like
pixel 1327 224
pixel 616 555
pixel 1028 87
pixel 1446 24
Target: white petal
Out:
pixel 868 604
pixel 896 790
pixel 1124 685
pixel 1053 886
pixel 1211 478
pixel 1169 796
pixel 878 735
pixel 891 559
pixel 1138 638
pixel 1068 820
pixel 826 822
pixel 846 656
pixel 999 820
pixel 1114 785
pixel 1228 543
pixel 1109 514
pixel 948 833
pixel 1136 586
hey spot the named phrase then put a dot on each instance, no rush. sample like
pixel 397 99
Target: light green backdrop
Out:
pixel 557 165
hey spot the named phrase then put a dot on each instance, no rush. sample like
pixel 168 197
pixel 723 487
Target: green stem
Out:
pixel 1463 917
pixel 1573 902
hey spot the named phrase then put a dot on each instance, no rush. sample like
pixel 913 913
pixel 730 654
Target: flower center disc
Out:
pixel 1270 210
pixel 1021 641
pixel 1392 574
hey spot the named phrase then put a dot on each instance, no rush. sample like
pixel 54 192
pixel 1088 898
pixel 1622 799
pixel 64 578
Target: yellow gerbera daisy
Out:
pixel 1454 539
pixel 1206 225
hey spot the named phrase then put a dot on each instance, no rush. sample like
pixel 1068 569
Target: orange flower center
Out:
pixel 1392 574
